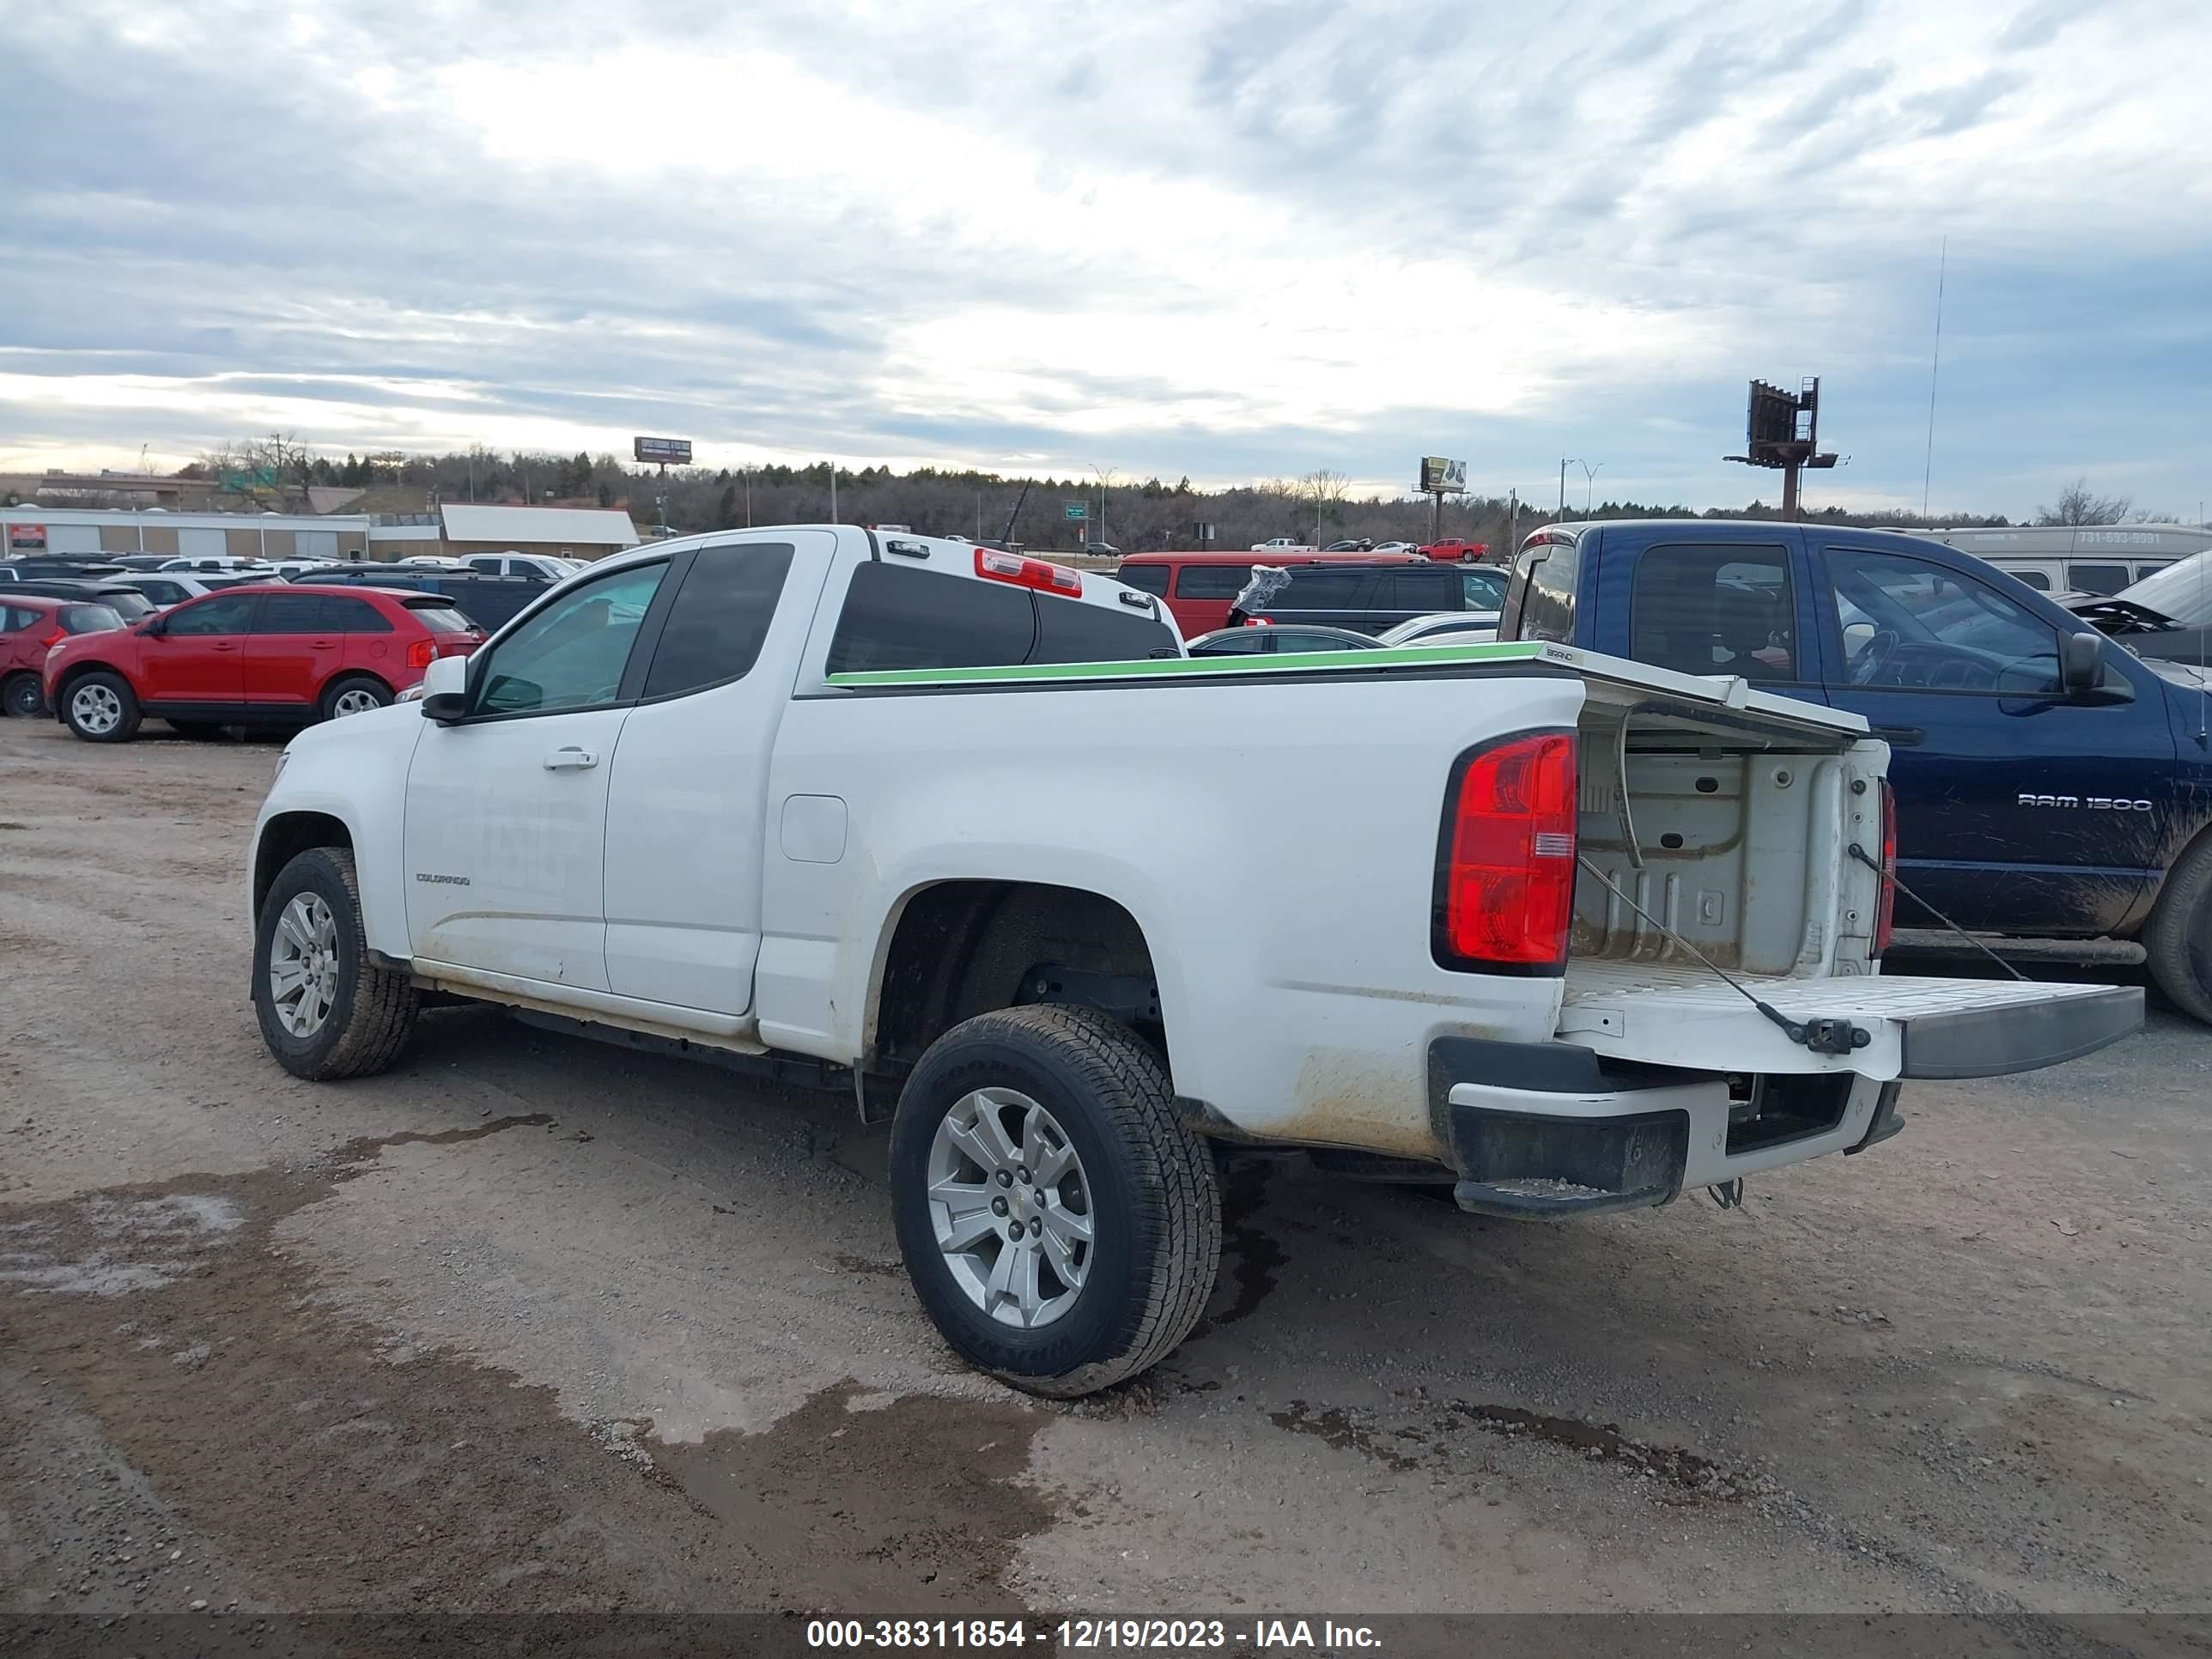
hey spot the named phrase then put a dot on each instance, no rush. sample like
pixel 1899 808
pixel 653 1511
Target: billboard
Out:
pixel 1443 476
pixel 23 536
pixel 665 452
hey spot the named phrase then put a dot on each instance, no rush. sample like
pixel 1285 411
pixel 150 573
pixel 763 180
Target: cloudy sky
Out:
pixel 1159 236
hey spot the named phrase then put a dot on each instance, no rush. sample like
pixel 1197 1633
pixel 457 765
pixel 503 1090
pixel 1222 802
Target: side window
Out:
pixel 488 563
pixel 899 615
pixel 571 654
pixel 1482 590
pixel 290 613
pixel 1145 578
pixel 1416 589
pixel 13 620
pixel 2102 579
pixel 1320 590
pixel 1547 581
pixel 230 613
pixel 1715 610
pixel 1211 581
pixel 1242 642
pixel 1070 630
pixel 721 616
pixel 1906 623
pixel 347 616
pixel 2034 578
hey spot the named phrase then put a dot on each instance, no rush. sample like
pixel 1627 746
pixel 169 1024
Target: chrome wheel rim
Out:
pixel 1009 1206
pixel 96 708
pixel 303 965
pixel 354 702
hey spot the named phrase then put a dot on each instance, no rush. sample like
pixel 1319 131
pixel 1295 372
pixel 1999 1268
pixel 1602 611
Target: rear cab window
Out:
pixel 912 616
pixel 1540 602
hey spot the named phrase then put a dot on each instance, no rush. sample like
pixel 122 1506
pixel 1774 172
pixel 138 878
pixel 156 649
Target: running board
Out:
pixel 1939 942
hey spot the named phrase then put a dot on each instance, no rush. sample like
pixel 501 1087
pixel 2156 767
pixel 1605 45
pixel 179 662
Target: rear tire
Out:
pixel 2179 941
pixel 326 1010
pixel 21 698
pixel 101 707
pixel 355 694
pixel 1124 1164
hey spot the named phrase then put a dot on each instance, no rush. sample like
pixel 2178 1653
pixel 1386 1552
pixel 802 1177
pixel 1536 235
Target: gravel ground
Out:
pixel 530 1323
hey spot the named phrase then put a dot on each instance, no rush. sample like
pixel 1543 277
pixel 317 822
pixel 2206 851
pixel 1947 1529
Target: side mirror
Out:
pixel 2082 661
pixel 153 624
pixel 446 689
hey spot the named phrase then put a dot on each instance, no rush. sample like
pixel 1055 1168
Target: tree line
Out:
pixel 1131 514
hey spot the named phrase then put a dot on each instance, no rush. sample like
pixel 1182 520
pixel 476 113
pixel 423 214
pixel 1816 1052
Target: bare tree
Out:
pixel 2079 504
pixel 1324 492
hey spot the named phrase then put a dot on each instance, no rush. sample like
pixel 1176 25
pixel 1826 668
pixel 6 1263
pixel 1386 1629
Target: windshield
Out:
pixel 2183 591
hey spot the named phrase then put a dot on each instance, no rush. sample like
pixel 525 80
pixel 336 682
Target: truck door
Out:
pixel 688 814
pixel 507 811
pixel 2021 808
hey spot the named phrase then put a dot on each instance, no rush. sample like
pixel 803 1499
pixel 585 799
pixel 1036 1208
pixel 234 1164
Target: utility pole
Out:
pixel 833 492
pixel 1513 524
pixel 1565 462
pixel 748 472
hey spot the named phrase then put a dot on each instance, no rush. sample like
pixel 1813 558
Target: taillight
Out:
pixel 1039 573
pixel 1505 866
pixel 1884 911
pixel 54 638
pixel 420 653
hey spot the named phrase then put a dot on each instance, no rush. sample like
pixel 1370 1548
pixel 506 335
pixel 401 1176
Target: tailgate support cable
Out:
pixel 1874 865
pixel 1822 1036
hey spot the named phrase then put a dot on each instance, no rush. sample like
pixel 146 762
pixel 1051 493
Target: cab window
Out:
pixel 1144 578
pixel 1908 624
pixel 1716 610
pixel 571 654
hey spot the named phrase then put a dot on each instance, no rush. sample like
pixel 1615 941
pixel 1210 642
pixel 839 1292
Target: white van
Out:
pixel 2098 558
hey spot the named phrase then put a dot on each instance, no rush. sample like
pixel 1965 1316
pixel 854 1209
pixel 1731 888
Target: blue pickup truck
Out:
pixel 2053 790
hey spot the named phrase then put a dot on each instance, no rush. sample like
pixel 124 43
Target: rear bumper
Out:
pixel 1547 1130
pixel 2025 1037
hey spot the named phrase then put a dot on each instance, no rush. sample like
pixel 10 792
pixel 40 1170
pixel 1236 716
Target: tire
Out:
pixel 101 707
pixel 2179 941
pixel 353 694
pixel 311 916
pixel 1144 1180
pixel 20 696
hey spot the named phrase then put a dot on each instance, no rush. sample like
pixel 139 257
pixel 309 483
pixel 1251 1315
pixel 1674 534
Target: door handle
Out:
pixel 220 645
pixel 571 759
pixel 1904 737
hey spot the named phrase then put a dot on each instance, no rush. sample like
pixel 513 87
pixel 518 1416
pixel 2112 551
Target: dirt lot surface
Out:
pixel 530 1323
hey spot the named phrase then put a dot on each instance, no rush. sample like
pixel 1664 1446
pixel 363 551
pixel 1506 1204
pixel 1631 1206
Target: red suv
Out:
pixel 266 654
pixel 30 626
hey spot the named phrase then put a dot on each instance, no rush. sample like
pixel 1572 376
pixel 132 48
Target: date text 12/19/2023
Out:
pixel 1089 1635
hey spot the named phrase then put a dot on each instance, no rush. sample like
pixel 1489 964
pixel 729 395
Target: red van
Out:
pixel 1197 588
pixel 268 653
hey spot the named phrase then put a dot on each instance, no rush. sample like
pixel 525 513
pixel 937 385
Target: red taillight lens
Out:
pixel 1884 910
pixel 421 653
pixel 54 638
pixel 1507 876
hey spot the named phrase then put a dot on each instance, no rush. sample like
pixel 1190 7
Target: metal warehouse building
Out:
pixel 568 532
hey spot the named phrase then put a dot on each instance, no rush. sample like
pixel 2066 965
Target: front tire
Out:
pixel 326 1010
pixel 1061 1223
pixel 21 697
pixel 2179 941
pixel 101 707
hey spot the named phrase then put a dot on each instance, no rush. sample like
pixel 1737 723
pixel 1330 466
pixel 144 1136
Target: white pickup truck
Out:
pixel 966 836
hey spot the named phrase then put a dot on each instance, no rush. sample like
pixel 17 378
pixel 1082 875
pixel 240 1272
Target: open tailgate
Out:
pixel 1684 1015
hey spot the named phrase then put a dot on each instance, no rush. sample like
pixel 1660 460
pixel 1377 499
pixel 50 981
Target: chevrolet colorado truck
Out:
pixel 950 829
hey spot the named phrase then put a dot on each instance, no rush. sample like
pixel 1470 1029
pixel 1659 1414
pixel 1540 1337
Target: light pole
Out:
pixel 748 472
pixel 1565 462
pixel 1105 478
pixel 1589 475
